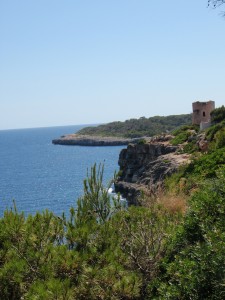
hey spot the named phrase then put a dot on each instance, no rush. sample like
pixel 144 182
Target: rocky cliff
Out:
pixel 144 167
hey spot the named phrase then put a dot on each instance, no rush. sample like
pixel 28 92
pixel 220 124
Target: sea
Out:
pixel 37 175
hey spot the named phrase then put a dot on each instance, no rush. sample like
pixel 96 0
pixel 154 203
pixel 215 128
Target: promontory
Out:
pixel 88 140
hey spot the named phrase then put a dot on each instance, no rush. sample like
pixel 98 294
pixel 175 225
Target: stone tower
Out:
pixel 201 113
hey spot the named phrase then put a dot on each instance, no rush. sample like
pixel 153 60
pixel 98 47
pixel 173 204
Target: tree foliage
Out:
pixel 215 3
pixel 138 127
pixel 195 267
pixel 103 251
pixel 218 114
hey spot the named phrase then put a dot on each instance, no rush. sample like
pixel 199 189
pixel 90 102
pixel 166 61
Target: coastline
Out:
pixel 88 140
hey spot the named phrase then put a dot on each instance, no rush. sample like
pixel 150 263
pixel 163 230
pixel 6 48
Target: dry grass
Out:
pixel 174 203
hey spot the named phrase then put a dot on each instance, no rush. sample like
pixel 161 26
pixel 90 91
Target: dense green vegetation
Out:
pixel 182 134
pixel 195 266
pixel 101 252
pixel 203 165
pixel 218 114
pixel 106 251
pixel 139 127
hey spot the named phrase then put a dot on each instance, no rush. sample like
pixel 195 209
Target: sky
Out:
pixel 76 62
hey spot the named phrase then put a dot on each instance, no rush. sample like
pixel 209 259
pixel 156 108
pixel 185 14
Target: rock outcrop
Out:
pixel 87 140
pixel 202 142
pixel 144 167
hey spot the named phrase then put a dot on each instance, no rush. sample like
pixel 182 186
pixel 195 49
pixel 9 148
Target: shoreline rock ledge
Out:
pixel 143 168
pixel 88 140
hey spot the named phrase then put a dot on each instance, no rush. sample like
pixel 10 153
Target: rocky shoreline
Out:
pixel 88 140
pixel 143 168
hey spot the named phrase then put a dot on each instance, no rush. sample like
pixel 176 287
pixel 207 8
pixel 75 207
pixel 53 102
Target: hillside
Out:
pixel 134 128
pixel 191 154
pixel 172 247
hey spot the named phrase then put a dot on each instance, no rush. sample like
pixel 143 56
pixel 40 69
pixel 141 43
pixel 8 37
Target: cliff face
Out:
pixel 144 168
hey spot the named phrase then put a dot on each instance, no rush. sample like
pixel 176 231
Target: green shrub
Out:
pixel 105 252
pixel 180 138
pixel 185 128
pixel 203 166
pixel 218 114
pixel 195 266
pixel 220 138
pixel 211 131
pixel 206 165
pixel 183 133
pixel 190 147
pixel 141 142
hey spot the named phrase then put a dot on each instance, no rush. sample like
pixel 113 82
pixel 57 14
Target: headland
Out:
pixel 88 140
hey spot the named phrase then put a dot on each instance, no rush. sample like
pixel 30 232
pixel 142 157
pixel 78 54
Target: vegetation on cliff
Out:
pixel 134 128
pixel 101 252
pixel 208 152
pixel 104 251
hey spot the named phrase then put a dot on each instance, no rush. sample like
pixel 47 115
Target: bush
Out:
pixel 218 114
pixel 220 138
pixel 195 266
pixel 206 165
pixel 183 133
pixel 104 252
pixel 185 128
pixel 180 138
pixel 190 147
pixel 211 131
pixel 141 142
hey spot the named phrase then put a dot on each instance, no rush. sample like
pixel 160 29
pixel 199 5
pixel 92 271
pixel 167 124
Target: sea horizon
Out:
pixel 52 126
pixel 39 175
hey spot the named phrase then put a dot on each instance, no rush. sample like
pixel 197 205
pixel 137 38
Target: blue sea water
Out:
pixel 39 175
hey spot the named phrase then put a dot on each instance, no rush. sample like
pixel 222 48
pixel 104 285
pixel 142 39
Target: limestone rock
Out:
pixel 87 140
pixel 144 168
pixel 202 142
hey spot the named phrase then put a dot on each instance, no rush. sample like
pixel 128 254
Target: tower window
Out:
pixel 203 113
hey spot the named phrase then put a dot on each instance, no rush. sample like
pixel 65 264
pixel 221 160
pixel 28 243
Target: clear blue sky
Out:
pixel 94 61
